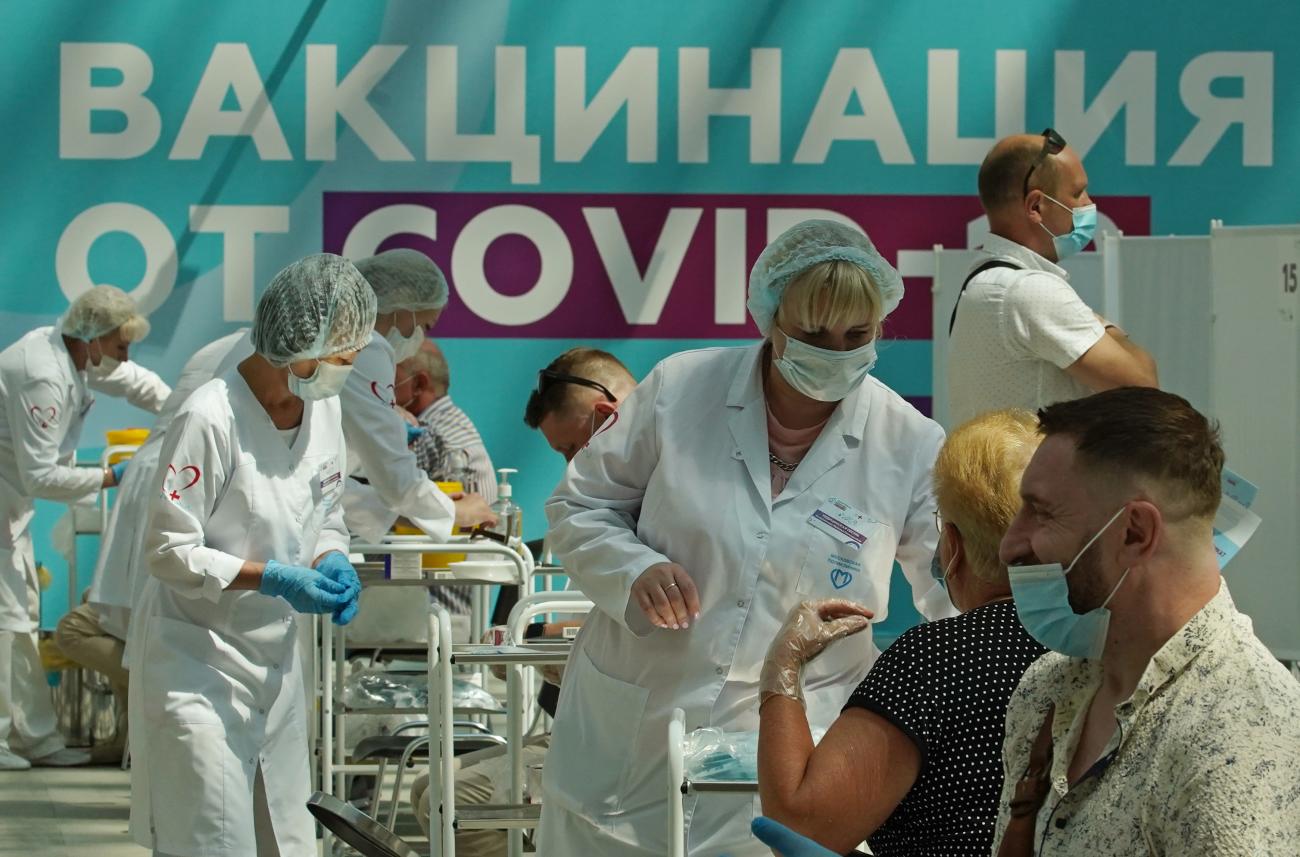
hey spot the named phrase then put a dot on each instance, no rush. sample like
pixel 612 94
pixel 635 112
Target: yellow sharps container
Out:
pixel 125 437
pixel 435 560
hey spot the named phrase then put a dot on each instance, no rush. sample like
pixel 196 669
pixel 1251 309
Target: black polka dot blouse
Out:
pixel 946 685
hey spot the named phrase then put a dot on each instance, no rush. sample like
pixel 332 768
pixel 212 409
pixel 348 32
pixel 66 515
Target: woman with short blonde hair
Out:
pixel 729 486
pixel 914 763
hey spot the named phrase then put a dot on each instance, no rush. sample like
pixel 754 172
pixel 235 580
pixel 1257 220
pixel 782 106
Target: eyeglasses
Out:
pixel 1053 143
pixel 938 522
pixel 548 377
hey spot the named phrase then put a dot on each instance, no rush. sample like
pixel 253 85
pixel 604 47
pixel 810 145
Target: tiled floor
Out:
pixel 66 812
pixel 83 812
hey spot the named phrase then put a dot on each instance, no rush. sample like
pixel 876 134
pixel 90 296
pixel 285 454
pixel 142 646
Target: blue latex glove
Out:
pixel 412 433
pixel 118 469
pixel 782 839
pixel 306 589
pixel 336 567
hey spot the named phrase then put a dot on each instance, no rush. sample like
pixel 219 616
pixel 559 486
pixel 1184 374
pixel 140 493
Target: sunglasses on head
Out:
pixel 1053 143
pixel 546 378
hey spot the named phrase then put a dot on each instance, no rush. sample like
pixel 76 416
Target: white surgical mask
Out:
pixel 822 374
pixel 326 381
pixel 106 365
pixel 405 347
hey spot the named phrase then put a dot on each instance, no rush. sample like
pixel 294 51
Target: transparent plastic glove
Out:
pixel 118 469
pixel 306 589
pixel 413 434
pixel 336 567
pixel 785 841
pixel 808 630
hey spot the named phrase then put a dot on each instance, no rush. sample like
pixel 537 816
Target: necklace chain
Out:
pixel 786 466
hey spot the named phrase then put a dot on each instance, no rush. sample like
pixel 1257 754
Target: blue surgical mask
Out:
pixel 405 347
pixel 1085 225
pixel 326 381
pixel 1043 604
pixel 822 374
pixel 938 572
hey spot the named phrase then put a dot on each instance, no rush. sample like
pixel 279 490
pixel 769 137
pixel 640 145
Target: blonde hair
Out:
pixel 134 329
pixel 831 294
pixel 977 483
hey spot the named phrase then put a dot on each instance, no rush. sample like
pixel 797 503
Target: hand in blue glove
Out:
pixel 118 469
pixel 336 567
pixel 782 839
pixel 412 433
pixel 306 589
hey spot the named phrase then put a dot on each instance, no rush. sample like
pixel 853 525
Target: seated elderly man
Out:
pixel 1159 723
pixel 450 449
pixel 913 763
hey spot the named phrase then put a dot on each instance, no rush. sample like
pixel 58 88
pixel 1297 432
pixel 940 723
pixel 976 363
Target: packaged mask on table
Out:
pixel 712 754
pixel 373 688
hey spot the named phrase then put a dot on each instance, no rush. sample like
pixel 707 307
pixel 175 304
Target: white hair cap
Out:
pixel 404 279
pixel 809 243
pixel 102 310
pixel 316 307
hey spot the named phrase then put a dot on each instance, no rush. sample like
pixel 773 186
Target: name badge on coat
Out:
pixel 841 522
pixel 329 479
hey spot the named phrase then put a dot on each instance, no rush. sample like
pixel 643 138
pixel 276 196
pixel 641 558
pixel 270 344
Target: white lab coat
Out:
pixel 117 583
pixel 683 476
pixel 216 690
pixel 45 400
pixel 377 451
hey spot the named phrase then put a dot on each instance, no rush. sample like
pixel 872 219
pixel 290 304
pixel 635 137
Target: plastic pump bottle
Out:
pixel 509 516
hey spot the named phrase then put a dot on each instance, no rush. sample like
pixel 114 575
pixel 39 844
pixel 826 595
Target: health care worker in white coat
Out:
pixel 245 532
pixel 45 382
pixel 735 483
pixel 386 479
pixel 118 575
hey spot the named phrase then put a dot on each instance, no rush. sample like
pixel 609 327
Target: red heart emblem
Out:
pixel 43 416
pixel 173 488
pixel 379 394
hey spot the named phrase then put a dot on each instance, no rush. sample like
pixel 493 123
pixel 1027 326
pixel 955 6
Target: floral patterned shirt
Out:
pixel 1206 759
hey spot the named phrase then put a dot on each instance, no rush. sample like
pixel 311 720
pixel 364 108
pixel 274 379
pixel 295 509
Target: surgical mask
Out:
pixel 1043 604
pixel 409 379
pixel 326 381
pixel 106 365
pixel 1085 224
pixel 405 346
pixel 940 574
pixel 822 374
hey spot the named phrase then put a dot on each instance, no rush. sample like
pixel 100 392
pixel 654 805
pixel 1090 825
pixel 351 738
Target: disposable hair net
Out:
pixel 809 243
pixel 102 310
pixel 318 306
pixel 404 279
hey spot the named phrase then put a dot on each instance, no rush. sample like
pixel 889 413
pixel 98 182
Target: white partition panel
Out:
pixel 1167 308
pixel 1256 397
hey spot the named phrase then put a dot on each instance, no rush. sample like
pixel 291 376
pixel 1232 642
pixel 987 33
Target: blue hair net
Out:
pixel 809 243
pixel 404 279
pixel 318 306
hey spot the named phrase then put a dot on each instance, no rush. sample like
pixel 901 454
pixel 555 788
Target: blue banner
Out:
pixel 186 152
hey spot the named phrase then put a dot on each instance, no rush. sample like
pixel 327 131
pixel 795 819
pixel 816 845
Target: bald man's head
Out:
pixel 422 379
pixel 1029 186
pixel 1002 175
